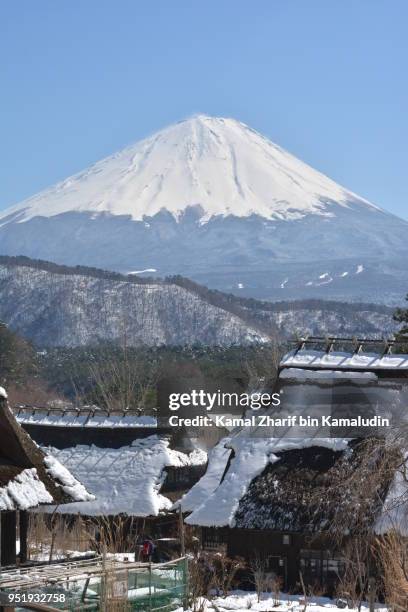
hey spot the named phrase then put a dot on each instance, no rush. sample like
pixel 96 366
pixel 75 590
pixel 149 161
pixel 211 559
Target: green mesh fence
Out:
pixel 116 588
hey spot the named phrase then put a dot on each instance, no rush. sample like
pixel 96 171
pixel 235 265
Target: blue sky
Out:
pixel 324 79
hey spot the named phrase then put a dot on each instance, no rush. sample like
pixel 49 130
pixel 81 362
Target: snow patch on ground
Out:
pixel 142 271
pixel 240 601
pixel 324 279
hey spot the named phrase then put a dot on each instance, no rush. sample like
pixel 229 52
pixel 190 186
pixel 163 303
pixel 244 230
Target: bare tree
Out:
pixel 260 576
pixel 124 381
pixel 224 571
pixel 354 580
pixel 200 577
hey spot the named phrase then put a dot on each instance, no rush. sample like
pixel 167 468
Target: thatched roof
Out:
pixel 126 480
pixel 28 477
pixel 304 485
pixel 317 489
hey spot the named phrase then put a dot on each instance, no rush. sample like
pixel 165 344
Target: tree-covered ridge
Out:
pixel 240 306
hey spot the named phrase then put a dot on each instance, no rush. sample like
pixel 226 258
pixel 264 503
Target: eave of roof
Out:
pixel 344 361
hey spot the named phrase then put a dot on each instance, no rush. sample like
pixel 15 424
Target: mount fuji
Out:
pixel 212 199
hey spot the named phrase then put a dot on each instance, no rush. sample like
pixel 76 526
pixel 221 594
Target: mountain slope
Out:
pixel 211 199
pixel 58 306
pixel 54 309
pixel 221 165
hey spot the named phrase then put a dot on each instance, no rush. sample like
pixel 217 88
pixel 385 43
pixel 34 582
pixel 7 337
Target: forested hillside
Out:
pixel 54 305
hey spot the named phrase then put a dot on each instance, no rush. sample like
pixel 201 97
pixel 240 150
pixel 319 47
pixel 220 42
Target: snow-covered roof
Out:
pixel 25 490
pixel 84 419
pixel 64 479
pixel 225 495
pixel 27 477
pixel 250 457
pixel 125 480
pixel 329 376
pixel 345 361
pixel 217 462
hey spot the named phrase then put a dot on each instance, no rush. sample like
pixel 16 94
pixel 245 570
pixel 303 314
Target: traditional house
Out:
pixel 28 478
pixel 295 500
pixel 135 468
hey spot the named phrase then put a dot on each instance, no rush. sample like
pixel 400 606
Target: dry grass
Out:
pixel 55 536
pixel 392 555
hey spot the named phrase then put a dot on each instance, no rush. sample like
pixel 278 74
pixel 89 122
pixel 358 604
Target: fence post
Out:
pixel 186 585
pixel 181 529
pixel 150 587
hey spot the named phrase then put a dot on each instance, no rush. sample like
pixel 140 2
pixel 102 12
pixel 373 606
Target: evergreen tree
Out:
pixel 17 358
pixel 401 315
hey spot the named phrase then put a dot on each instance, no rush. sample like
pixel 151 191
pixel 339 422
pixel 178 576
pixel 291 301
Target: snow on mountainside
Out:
pixel 220 164
pixel 58 306
pixel 54 309
pixel 213 200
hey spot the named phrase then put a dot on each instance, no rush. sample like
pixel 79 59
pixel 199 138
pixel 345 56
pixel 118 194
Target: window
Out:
pixel 213 539
pixel 321 564
pixel 286 539
pixel 310 563
pixel 277 566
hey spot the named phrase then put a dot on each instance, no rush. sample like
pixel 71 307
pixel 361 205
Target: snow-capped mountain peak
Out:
pixel 215 201
pixel 219 164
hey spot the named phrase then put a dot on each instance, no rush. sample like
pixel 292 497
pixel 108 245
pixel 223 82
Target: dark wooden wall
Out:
pixel 283 556
pixel 8 538
pixel 104 437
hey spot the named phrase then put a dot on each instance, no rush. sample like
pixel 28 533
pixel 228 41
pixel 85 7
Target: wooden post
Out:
pixel 181 529
pixel 8 528
pixel 186 585
pixel 104 580
pixel 23 521
pixel 371 594
pixel 150 586
pixel 85 589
